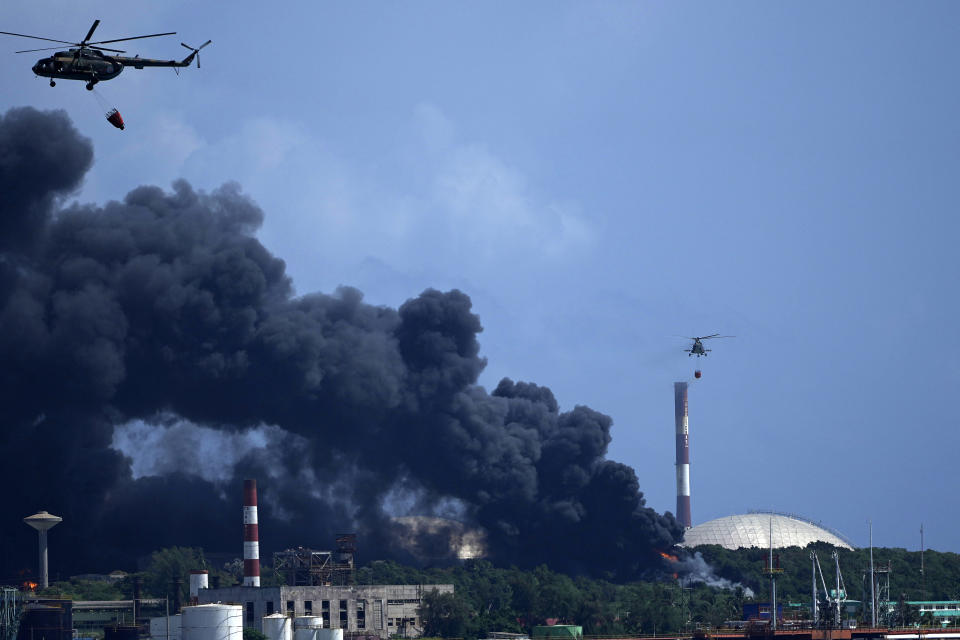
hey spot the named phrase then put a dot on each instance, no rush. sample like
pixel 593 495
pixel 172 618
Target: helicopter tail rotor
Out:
pixel 196 51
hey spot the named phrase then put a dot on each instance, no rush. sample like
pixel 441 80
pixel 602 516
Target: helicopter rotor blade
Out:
pixel 107 49
pixel 152 35
pixel 717 336
pixel 196 50
pixel 96 23
pixel 23 35
pixel 44 49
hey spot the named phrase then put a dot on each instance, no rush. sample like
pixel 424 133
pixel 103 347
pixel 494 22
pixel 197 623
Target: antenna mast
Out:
pixel 923 576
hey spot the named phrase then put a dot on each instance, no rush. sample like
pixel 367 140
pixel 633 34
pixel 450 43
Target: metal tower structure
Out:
pixel 307 567
pixel 772 569
pixel 11 606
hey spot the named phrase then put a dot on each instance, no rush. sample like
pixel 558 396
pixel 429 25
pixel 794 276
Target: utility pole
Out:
pixel 923 576
pixel 836 560
pixel 814 610
pixel 873 591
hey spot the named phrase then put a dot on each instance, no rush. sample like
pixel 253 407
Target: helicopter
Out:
pixel 88 62
pixel 697 347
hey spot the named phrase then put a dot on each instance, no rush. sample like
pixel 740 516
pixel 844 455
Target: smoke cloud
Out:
pixel 693 568
pixel 123 322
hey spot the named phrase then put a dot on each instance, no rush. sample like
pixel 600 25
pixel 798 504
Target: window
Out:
pixel 343 614
pixel 325 613
pixel 269 607
pixel 250 616
pixel 361 614
pixel 290 606
pixel 308 607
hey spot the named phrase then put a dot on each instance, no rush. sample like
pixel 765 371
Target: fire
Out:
pixel 676 576
pixel 30 586
pixel 668 556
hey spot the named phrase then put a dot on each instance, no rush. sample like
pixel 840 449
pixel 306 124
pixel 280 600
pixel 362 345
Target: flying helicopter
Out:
pixel 697 348
pixel 88 62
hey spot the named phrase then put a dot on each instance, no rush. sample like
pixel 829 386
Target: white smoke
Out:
pixel 695 569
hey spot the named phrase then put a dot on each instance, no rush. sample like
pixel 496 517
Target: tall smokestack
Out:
pixel 683 453
pixel 251 536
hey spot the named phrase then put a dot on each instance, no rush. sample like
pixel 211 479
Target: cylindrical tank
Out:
pixel 198 580
pixel 330 634
pixel 277 627
pixel 307 627
pixel 212 622
pixel 158 628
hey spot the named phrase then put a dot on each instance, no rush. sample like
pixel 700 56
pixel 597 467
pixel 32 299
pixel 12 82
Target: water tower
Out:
pixel 41 522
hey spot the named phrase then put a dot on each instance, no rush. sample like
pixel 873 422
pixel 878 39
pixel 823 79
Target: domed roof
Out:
pixel 753 530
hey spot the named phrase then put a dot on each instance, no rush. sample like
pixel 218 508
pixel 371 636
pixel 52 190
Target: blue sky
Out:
pixel 600 177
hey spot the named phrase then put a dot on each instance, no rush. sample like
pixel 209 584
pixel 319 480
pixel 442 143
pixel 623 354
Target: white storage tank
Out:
pixel 198 580
pixel 212 622
pixel 330 634
pixel 307 627
pixel 158 628
pixel 277 627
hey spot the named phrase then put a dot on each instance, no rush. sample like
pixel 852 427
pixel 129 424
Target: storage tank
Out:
pixel 158 628
pixel 330 634
pixel 212 622
pixel 198 580
pixel 307 627
pixel 277 627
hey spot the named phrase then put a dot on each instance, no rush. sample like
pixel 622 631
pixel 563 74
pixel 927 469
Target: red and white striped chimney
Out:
pixel 683 453
pixel 251 536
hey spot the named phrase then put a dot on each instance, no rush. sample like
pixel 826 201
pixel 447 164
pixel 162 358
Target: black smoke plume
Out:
pixel 164 308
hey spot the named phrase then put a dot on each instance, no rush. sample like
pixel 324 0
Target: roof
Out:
pixel 753 530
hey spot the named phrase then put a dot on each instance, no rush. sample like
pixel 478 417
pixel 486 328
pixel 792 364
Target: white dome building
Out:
pixel 753 530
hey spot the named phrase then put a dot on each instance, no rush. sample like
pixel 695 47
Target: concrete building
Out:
pixel 383 610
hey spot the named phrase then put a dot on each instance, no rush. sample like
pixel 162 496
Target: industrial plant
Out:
pixel 319 599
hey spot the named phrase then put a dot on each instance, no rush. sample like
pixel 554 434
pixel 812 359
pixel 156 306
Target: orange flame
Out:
pixel 30 586
pixel 676 576
pixel 668 556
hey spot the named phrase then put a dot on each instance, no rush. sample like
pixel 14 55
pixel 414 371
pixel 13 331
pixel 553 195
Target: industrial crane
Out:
pixel 838 596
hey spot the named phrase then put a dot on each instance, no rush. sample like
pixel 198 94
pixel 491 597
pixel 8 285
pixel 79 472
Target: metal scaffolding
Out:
pixel 11 606
pixel 308 567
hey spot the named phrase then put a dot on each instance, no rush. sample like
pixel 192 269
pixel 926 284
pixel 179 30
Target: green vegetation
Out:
pixel 941 579
pixel 249 633
pixel 488 598
pixel 80 589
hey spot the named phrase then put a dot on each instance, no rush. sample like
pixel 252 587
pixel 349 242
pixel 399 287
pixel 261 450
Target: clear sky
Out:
pixel 601 177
